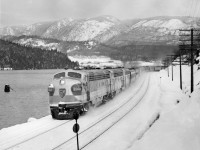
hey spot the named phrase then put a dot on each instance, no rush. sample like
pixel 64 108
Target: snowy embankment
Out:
pixel 165 118
pixel 178 128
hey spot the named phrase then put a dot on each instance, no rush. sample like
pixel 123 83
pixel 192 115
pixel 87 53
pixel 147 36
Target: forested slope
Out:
pixel 22 57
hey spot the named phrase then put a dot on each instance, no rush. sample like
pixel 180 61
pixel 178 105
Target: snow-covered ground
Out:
pixel 178 127
pixel 105 61
pixel 152 114
pixel 96 61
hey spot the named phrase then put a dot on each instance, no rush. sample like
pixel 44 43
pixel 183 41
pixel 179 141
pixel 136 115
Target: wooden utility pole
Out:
pixel 172 72
pixel 166 63
pixel 191 61
pixel 180 70
pixel 181 62
pixel 191 40
pixel 168 69
pixel 171 56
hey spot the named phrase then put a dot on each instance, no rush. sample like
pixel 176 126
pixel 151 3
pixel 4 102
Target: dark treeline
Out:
pixel 22 57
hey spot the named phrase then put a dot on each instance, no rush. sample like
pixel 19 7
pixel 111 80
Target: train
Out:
pixel 74 91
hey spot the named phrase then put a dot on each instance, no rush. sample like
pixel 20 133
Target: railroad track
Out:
pixel 106 122
pixel 34 136
pixel 71 142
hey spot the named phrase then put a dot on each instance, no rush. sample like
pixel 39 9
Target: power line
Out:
pixel 193 9
pixel 187 10
pixel 190 10
pixel 195 6
pixel 198 8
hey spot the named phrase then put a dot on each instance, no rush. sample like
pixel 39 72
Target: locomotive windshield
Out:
pixel 74 75
pixel 59 75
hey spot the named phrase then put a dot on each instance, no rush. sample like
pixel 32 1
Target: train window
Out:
pixel 59 75
pixel 76 89
pixel 74 75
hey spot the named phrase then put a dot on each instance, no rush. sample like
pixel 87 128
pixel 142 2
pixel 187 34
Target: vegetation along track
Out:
pixel 104 123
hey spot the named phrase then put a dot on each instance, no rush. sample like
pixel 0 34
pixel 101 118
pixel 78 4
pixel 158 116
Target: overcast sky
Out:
pixel 15 12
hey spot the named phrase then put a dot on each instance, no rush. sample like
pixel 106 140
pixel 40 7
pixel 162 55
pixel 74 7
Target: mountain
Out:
pixel 24 57
pixel 157 30
pixel 105 35
pixel 99 28
pixel 34 41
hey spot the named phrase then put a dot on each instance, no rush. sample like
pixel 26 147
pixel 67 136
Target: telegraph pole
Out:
pixel 191 40
pixel 181 62
pixel 166 63
pixel 168 71
pixel 168 68
pixel 172 72
pixel 180 70
pixel 192 59
pixel 171 56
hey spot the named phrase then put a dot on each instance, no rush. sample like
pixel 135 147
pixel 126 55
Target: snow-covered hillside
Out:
pixel 69 29
pixel 105 28
pixel 88 30
pixel 163 30
pixel 169 24
pixel 107 36
pixel 54 29
pixel 33 42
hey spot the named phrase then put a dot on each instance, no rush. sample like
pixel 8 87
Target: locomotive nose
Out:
pixel 64 90
pixel 65 97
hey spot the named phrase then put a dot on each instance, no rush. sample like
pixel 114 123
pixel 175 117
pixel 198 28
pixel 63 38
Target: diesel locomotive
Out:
pixel 76 90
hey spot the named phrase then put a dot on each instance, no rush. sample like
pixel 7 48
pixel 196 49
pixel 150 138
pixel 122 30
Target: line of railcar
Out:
pixel 75 90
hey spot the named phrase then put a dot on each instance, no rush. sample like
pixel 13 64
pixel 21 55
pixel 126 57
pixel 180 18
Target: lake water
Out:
pixel 29 98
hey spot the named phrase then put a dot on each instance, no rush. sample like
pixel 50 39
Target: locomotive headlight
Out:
pixel 62 82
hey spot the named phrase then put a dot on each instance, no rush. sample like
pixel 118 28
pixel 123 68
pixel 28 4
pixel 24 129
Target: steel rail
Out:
pixel 103 118
pixel 38 135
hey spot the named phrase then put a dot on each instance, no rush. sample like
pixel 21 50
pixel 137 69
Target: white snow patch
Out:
pixel 37 43
pixel 153 23
pixel 9 31
pixel 73 49
pixel 138 24
pixel 96 61
pixel 89 30
pixel 171 24
pixel 31 119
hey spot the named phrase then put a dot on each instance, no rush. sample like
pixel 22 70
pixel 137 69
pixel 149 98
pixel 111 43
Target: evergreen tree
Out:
pixel 23 57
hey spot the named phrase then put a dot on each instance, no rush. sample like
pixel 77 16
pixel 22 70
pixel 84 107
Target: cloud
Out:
pixel 81 8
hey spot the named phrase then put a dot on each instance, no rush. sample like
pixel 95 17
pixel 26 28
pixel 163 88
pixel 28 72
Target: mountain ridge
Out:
pixel 103 35
pixel 104 28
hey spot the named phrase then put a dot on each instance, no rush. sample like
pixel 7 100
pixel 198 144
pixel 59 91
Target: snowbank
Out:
pixel 179 127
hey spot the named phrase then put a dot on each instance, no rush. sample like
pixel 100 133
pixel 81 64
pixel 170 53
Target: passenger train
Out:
pixel 75 90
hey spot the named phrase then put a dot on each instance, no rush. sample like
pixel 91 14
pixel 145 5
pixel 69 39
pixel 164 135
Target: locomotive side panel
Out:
pixel 118 80
pixel 127 77
pixel 98 89
pixel 99 81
